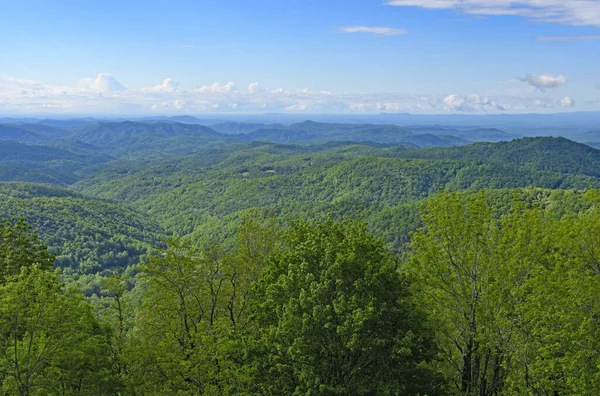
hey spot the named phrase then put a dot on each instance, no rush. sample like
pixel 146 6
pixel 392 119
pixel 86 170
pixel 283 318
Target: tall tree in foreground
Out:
pixel 562 311
pixel 196 306
pixel 515 297
pixel 50 340
pixel 334 316
pixel 459 261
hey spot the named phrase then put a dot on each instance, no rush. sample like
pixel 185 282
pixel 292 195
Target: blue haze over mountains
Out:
pixel 184 174
pixel 60 151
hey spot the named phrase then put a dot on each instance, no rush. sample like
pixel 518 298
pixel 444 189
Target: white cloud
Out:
pixel 544 81
pixel 377 30
pixel 256 88
pixel 216 87
pixel 21 96
pixel 471 103
pixel 296 107
pixel 104 83
pixel 566 102
pixel 569 12
pixel 168 85
pixel 454 100
pixel 568 39
pixel 21 86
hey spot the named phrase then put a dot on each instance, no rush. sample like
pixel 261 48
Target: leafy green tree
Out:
pixel 19 246
pixel 560 331
pixel 515 296
pixel 117 311
pixel 50 341
pixel 196 305
pixel 461 262
pixel 334 316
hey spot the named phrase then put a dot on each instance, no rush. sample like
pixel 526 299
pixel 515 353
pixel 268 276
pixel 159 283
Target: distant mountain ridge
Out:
pixel 311 131
pixel 143 140
pixel 555 154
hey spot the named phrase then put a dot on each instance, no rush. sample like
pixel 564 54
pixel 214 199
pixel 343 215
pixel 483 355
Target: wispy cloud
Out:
pixel 376 30
pixel 568 39
pixel 544 81
pixel 568 12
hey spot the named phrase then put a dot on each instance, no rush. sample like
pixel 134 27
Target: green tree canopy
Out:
pixel 334 316
pixel 50 340
pixel 20 246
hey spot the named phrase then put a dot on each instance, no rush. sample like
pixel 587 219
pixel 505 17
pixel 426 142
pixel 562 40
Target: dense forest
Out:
pixel 168 257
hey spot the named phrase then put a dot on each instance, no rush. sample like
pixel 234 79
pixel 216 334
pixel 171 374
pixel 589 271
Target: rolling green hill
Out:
pixel 243 127
pixel 151 141
pixel 88 235
pixel 540 154
pixel 18 134
pixel 473 135
pixel 206 194
pixel 43 164
pixel 313 132
pixel 316 131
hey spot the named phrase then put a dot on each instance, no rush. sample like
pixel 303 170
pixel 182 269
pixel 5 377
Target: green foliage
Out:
pixel 186 338
pixel 205 195
pixel 514 294
pixel 144 141
pixel 51 343
pixel 541 154
pixel 313 132
pixel 499 295
pixel 334 316
pixel 88 235
pixel 20 247
pixel 48 164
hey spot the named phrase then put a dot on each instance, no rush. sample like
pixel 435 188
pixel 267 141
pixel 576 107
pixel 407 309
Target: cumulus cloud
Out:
pixel 168 85
pixel 569 12
pixel 471 103
pixel 566 102
pixel 104 83
pixel 216 87
pixel 376 30
pixel 256 88
pixel 544 81
pixel 21 96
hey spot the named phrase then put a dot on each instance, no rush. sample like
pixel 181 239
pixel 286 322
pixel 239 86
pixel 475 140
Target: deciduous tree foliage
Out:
pixel 50 340
pixel 334 316
pixel 515 296
pixel 19 246
pixel 187 338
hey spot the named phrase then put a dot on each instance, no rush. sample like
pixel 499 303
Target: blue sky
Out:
pixel 327 56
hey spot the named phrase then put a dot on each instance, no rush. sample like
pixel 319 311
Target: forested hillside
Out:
pixel 209 192
pixel 541 154
pixel 88 235
pixel 171 258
